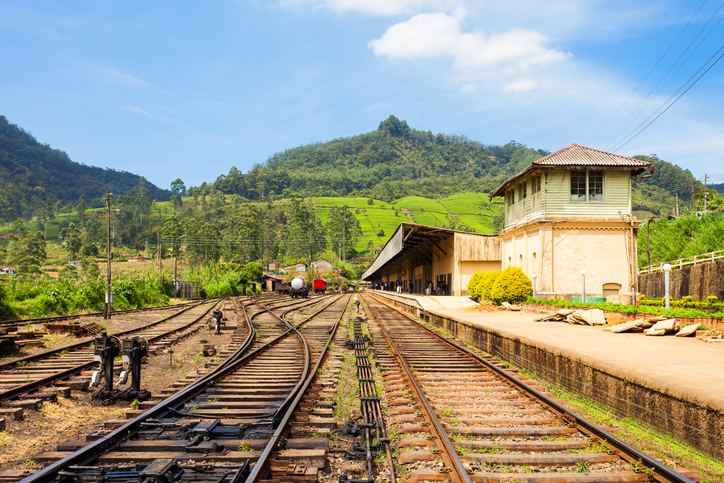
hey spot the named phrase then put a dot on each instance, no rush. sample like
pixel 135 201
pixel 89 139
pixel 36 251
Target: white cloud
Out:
pixel 521 85
pixel 467 88
pixel 379 7
pixel 475 56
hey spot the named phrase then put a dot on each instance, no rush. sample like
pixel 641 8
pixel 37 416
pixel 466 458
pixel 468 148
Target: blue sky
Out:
pixel 170 89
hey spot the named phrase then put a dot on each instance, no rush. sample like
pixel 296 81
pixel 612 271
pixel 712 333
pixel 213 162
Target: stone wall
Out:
pixel 699 281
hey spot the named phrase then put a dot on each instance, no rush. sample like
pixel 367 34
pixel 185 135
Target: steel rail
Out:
pixel 77 369
pixel 273 442
pixel 60 318
pixel 88 453
pixel 173 403
pixel 450 455
pixel 662 472
pixel 87 340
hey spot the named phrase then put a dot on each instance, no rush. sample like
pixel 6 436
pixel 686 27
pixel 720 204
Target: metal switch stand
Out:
pixel 106 348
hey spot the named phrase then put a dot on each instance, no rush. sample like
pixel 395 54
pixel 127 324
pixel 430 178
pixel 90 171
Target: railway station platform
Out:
pixel 675 384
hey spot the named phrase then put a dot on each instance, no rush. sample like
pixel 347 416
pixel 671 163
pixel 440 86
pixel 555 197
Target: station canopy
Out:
pixel 410 246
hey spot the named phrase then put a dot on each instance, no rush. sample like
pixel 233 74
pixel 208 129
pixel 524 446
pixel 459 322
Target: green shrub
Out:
pixel 473 290
pixel 511 286
pixel 629 309
pixel 485 286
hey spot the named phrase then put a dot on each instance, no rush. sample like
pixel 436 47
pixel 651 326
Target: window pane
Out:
pixel 578 186
pixel 595 185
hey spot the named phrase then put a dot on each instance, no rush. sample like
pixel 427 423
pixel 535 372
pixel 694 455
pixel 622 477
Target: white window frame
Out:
pixel 587 196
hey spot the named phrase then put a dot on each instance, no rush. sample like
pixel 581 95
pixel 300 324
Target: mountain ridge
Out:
pixel 32 173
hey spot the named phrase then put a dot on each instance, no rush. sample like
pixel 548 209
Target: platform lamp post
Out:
pixel 667 271
pixel 532 278
pixel 583 286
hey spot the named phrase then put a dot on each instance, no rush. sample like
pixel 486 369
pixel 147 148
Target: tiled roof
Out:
pixel 575 155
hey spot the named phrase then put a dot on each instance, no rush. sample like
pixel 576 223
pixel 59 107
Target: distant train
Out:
pixel 299 288
pixel 320 286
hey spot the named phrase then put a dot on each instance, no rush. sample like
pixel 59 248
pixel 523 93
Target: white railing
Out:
pixel 683 262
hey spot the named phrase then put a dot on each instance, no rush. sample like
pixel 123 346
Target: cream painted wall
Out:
pixel 562 251
pixel 467 269
pixel 602 253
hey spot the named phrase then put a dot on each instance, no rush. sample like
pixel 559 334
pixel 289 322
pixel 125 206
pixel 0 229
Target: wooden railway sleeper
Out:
pixel 659 471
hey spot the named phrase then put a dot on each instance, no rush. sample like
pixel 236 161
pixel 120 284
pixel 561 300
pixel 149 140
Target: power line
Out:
pixel 647 75
pixel 672 103
pixel 639 109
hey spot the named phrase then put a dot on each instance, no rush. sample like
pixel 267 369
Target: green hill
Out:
pixel 32 173
pixel 389 163
pixel 289 207
pixel 397 162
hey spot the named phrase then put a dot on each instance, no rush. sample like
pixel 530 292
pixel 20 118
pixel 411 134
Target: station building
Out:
pixel 572 211
pixel 567 212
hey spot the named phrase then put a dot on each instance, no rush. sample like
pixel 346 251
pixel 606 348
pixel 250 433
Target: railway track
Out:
pixel 230 424
pixel 60 318
pixel 462 418
pixel 24 376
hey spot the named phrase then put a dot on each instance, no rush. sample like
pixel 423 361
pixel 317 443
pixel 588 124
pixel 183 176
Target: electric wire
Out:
pixel 672 103
pixel 647 75
pixel 618 133
pixel 651 97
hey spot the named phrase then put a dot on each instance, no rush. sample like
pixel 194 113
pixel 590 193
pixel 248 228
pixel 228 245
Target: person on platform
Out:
pixel 399 285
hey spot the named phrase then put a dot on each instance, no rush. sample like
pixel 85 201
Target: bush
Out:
pixel 473 290
pixel 629 309
pixel 485 286
pixel 5 310
pixel 511 286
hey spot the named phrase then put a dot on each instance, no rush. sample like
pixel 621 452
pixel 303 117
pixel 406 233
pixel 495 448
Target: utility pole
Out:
pixel 677 205
pixel 706 194
pixel 108 301
pixel 693 198
pixel 175 272
pixel 648 234
pixel 158 253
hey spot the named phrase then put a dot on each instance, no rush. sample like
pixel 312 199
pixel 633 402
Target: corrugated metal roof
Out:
pixel 575 155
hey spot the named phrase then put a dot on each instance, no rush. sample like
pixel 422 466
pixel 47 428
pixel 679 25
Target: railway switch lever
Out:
pixel 134 350
pixel 218 319
pixel 107 347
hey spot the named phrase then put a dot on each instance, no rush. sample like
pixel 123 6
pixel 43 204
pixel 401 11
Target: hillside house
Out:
pixel 321 264
pixel 297 267
pixel 571 211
